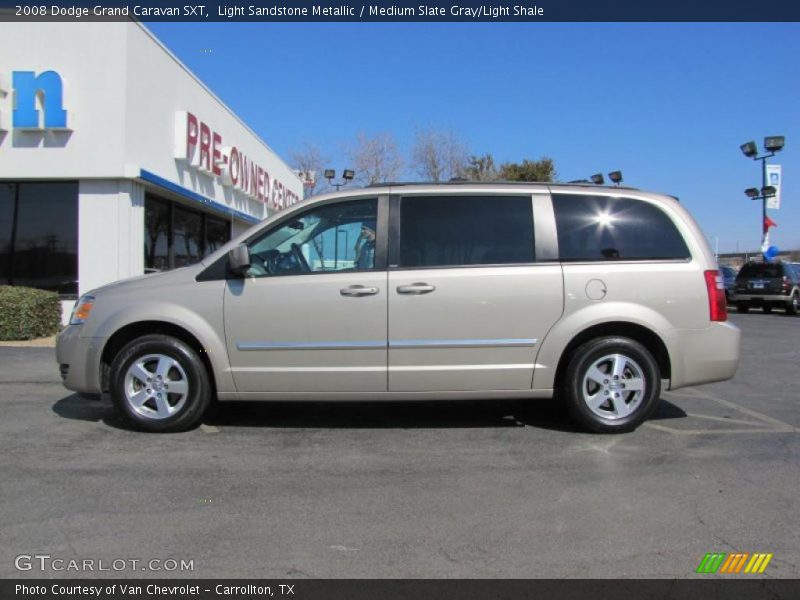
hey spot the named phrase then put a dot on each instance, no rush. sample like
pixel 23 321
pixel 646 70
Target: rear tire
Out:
pixel 742 307
pixel 611 384
pixel 793 307
pixel 767 309
pixel 159 384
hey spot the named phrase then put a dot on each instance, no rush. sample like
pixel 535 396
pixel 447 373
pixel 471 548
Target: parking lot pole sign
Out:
pixel 773 177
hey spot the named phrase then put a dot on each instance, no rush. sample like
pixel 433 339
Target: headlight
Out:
pixel 83 307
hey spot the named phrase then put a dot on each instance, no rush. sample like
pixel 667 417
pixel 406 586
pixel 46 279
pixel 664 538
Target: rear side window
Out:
pixel 602 228
pixel 769 270
pixel 443 231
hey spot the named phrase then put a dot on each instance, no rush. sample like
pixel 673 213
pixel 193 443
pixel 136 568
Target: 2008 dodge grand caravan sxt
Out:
pixel 449 291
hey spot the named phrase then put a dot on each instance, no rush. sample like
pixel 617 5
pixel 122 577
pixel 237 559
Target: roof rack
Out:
pixel 580 183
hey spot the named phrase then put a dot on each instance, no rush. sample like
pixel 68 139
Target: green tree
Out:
pixel 528 170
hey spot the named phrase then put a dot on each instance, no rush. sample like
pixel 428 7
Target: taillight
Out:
pixel 785 285
pixel 717 306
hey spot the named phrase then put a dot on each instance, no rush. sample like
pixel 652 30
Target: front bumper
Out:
pixel 79 360
pixel 706 355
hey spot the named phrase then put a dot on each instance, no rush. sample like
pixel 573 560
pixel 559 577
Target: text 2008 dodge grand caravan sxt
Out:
pixel 455 291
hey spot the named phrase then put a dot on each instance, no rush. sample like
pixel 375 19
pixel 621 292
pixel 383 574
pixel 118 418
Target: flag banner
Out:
pixel 775 179
pixel 405 11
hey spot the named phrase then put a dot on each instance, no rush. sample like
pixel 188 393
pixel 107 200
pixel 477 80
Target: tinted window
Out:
pixel 599 228
pixel 156 234
pixel 176 236
pixel 333 237
pixel 767 270
pixel 7 191
pixel 187 236
pixel 441 231
pixel 39 235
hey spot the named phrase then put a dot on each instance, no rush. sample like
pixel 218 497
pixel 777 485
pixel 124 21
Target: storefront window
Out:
pixel 39 235
pixel 176 236
pixel 156 234
pixel 187 237
pixel 7 191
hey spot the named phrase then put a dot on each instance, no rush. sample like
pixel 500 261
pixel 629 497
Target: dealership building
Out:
pixel 116 161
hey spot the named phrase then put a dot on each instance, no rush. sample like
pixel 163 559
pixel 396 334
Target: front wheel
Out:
pixel 611 384
pixel 158 383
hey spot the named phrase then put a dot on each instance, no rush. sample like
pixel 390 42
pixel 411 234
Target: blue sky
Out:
pixel 668 104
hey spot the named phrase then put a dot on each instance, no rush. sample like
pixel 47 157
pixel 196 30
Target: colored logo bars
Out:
pixel 737 562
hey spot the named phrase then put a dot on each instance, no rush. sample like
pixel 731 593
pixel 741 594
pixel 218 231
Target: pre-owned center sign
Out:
pixel 204 150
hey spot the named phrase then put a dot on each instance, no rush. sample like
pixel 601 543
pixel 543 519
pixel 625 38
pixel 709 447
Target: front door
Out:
pixel 312 314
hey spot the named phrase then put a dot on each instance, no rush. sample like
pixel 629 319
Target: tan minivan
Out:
pixel 448 291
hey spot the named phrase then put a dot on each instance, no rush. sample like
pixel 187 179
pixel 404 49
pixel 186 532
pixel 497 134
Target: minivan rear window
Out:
pixel 451 231
pixel 604 228
pixel 767 270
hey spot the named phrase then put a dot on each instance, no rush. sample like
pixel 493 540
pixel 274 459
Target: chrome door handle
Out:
pixel 358 290
pixel 416 289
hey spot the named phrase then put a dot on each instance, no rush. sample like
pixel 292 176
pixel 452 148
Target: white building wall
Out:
pixel 111 232
pixel 91 61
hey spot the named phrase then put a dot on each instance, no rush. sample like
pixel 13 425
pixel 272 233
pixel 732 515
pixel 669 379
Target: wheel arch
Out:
pixel 131 331
pixel 639 333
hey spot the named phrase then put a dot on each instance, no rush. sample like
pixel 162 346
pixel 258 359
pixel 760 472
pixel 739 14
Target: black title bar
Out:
pixel 404 11
pixel 391 589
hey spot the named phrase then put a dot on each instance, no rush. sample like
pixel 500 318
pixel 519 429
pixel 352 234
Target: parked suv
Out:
pixel 767 286
pixel 450 291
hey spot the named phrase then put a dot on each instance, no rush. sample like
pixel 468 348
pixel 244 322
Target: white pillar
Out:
pixel 110 232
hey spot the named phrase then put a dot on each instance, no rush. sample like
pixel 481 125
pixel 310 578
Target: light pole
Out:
pixel 347 177
pixel 772 145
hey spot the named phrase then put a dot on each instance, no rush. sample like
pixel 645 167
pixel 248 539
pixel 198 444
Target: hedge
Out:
pixel 27 313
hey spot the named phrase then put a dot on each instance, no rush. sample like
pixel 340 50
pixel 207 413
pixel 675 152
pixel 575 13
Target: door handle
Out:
pixel 416 289
pixel 358 290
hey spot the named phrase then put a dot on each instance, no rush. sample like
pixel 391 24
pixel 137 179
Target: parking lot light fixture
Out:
pixel 752 193
pixel 768 191
pixel 749 149
pixel 615 177
pixel 347 176
pixel 774 143
pixel 598 179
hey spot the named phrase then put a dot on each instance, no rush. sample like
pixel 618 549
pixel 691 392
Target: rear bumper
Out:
pixel 762 298
pixel 705 355
pixel 79 360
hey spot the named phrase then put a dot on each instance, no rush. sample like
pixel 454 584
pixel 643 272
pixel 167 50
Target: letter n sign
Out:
pixel 46 90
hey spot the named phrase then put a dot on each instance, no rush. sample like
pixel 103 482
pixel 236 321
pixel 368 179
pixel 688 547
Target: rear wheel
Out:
pixel 793 307
pixel 611 384
pixel 158 383
pixel 767 309
pixel 742 307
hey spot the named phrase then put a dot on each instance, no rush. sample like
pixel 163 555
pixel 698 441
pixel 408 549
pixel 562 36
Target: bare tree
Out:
pixel 481 168
pixel 376 159
pixel 307 159
pixel 439 155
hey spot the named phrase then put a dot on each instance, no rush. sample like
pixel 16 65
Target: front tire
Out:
pixel 611 384
pixel 159 384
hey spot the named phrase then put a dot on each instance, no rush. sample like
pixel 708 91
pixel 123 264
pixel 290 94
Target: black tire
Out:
pixel 191 406
pixel 767 309
pixel 793 308
pixel 742 307
pixel 639 361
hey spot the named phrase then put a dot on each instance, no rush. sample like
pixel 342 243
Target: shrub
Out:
pixel 27 313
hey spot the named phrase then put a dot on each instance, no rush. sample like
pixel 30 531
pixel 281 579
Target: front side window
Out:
pixel 330 238
pixel 603 228
pixel 451 231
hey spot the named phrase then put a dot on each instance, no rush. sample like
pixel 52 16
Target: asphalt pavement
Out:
pixel 422 490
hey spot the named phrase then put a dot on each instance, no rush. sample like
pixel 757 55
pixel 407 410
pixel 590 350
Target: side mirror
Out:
pixel 239 259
